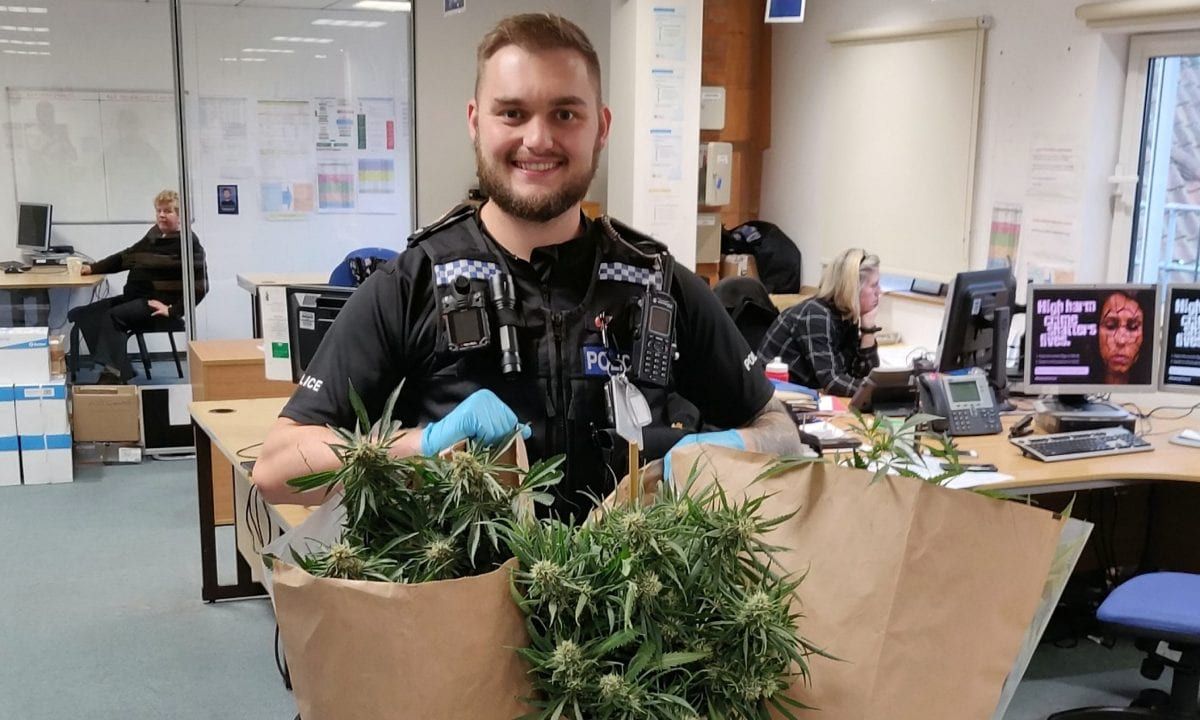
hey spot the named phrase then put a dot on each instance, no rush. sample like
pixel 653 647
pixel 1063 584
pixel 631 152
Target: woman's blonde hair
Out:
pixel 170 198
pixel 842 278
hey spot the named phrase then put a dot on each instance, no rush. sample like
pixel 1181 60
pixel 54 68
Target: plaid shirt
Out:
pixel 820 347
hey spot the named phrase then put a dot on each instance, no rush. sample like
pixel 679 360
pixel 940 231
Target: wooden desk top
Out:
pixel 227 352
pixel 241 425
pixel 1167 461
pixel 45 278
pixel 250 281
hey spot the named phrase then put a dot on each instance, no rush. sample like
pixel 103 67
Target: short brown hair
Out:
pixel 167 197
pixel 534 32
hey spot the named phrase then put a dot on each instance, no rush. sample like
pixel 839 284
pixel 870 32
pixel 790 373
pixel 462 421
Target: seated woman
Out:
pixel 828 341
pixel 153 289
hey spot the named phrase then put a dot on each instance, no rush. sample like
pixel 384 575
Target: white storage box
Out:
pixel 44 431
pixel 10 449
pixel 24 355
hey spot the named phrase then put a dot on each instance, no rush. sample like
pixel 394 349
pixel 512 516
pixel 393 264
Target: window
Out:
pixel 1156 221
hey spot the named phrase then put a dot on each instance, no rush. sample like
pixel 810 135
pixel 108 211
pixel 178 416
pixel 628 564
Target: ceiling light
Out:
pixel 384 5
pixel 316 40
pixel 350 23
pixel 23 9
pixel 281 51
pixel 320 57
pixel 253 59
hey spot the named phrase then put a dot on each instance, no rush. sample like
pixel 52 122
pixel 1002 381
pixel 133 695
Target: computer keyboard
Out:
pixel 1081 444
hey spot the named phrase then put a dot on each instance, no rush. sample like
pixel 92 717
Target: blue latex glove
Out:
pixel 725 438
pixel 482 417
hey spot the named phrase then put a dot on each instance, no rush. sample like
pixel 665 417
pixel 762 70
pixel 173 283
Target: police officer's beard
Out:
pixel 540 208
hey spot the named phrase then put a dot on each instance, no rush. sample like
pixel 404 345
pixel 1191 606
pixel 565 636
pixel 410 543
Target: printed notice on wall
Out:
pixel 1054 169
pixel 336 124
pixel 335 186
pixel 666 159
pixel 667 86
pixel 1049 247
pixel 225 137
pixel 670 33
pixel 285 159
pixel 376 124
pixel 1005 235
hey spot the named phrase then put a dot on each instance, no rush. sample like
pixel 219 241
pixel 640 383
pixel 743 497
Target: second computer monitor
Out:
pixel 979 308
pixel 33 226
pixel 1083 339
pixel 1180 360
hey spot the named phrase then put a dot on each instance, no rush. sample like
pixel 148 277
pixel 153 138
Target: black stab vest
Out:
pixel 560 389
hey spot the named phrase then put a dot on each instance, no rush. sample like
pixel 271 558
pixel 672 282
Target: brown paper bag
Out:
pixel 924 593
pixel 370 650
pixel 360 650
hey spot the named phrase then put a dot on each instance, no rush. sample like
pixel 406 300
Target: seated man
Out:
pixel 153 289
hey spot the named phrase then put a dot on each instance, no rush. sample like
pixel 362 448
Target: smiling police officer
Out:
pixel 520 312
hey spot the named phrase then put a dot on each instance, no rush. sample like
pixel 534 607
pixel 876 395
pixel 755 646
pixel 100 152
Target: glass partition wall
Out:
pixel 296 125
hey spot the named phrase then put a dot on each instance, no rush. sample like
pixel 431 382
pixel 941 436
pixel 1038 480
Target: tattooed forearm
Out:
pixel 773 432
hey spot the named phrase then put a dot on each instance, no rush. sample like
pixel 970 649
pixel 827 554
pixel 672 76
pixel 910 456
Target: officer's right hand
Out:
pixel 482 417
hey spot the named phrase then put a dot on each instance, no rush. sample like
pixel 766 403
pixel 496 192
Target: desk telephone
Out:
pixel 964 402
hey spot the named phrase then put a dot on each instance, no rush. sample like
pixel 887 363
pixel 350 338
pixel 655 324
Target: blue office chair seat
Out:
pixel 358 265
pixel 1156 607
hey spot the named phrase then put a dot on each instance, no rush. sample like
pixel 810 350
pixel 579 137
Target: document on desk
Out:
pixel 968 480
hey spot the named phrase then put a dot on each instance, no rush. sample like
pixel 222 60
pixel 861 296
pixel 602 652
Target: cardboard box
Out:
pixel 44 432
pixel 738 266
pixel 107 453
pixel 10 449
pixel 24 355
pixel 105 413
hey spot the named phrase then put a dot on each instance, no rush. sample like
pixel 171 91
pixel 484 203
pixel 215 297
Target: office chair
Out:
pixel 168 325
pixel 1156 607
pixel 358 265
pixel 748 303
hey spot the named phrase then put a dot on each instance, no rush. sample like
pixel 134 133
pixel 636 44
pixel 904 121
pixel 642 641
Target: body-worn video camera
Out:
pixel 653 338
pixel 464 313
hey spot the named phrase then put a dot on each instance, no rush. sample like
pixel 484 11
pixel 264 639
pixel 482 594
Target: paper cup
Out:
pixel 74 267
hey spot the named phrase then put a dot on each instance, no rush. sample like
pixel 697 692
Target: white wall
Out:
pixel 1046 76
pixel 445 75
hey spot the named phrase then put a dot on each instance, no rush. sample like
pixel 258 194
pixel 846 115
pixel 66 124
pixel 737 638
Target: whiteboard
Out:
pixel 901 157
pixel 97 156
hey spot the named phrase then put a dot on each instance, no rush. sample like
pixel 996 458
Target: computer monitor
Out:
pixel 1083 339
pixel 311 310
pixel 1181 340
pixel 33 226
pixel 979 310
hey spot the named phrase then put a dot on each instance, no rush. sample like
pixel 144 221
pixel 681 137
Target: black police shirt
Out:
pixel 387 331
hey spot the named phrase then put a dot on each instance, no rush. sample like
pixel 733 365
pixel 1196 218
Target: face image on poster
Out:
pixel 1092 335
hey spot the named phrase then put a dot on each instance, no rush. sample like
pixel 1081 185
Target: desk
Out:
pixel 231 426
pixel 46 279
pixel 43 279
pixel 230 370
pixel 1167 462
pixel 250 282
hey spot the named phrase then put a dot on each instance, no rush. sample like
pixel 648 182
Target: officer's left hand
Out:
pixel 725 438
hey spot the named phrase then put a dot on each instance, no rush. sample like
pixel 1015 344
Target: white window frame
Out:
pixel 1125 176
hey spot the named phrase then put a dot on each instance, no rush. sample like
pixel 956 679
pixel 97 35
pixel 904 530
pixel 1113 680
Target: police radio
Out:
pixel 654 339
pixel 464 313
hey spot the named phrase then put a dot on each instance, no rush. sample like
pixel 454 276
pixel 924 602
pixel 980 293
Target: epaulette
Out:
pixel 458 214
pixel 639 241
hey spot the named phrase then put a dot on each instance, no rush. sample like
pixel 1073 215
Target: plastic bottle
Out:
pixel 777 369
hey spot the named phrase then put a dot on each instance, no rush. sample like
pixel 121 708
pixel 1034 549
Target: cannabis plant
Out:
pixel 671 610
pixel 416 519
pixel 891 448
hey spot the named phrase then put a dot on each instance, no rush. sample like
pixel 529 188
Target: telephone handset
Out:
pixel 965 403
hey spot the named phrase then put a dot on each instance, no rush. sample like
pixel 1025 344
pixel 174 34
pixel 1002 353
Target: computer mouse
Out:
pixel 13 270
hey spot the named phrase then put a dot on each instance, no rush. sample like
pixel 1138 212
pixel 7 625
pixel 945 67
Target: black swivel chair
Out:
pixel 749 304
pixel 1156 607
pixel 168 325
